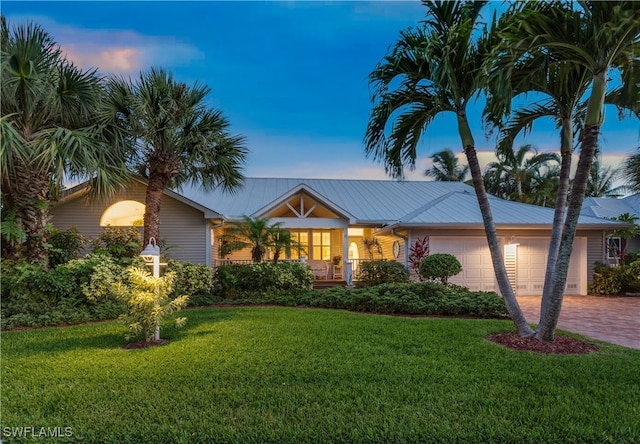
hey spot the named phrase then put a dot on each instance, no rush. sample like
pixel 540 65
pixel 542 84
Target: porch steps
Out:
pixel 322 284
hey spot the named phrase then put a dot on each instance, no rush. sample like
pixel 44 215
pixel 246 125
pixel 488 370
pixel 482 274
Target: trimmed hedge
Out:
pixel 382 272
pixel 231 281
pixel 419 298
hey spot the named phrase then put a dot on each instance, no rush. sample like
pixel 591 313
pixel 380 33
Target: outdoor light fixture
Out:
pixel 514 241
pixel 151 255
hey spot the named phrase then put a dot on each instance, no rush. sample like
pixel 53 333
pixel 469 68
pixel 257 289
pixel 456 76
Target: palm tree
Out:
pixel 51 128
pixel 178 139
pixel 432 69
pixel 516 173
pixel 600 37
pixel 602 181
pixel 250 232
pixel 261 236
pixel 446 168
pixel 631 171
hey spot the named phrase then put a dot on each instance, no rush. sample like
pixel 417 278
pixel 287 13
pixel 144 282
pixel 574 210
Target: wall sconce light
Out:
pixel 514 241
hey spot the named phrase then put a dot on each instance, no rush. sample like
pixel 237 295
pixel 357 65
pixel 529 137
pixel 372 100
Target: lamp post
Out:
pixel 151 256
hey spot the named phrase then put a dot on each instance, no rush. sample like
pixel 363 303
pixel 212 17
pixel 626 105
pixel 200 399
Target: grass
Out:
pixel 286 375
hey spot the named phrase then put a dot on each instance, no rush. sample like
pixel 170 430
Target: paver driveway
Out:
pixel 610 319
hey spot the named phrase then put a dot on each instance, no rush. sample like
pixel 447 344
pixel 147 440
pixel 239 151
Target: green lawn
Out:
pixel 286 375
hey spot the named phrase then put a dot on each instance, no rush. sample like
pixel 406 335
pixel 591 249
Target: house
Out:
pixel 357 220
pixel 608 208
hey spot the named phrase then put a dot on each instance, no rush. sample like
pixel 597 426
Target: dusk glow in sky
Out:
pixel 292 77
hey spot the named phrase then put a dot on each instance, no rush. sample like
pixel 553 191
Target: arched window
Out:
pixel 125 213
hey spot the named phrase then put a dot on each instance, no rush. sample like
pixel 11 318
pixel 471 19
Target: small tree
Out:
pixel 440 266
pixel 373 247
pixel 148 301
pixel 417 252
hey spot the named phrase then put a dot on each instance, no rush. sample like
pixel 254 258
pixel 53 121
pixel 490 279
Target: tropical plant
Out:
pixel 178 139
pixel 601 38
pixel 631 171
pixel 435 68
pixel 601 182
pixel 148 302
pixel 418 251
pixel 51 128
pixel 517 174
pixel 446 167
pixel 261 236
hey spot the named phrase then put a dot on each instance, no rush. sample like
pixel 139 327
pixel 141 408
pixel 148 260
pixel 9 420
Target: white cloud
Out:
pixel 114 51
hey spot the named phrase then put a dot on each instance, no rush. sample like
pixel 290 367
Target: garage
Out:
pixel 530 262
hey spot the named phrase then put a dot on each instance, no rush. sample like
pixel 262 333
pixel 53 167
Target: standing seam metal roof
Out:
pixel 376 201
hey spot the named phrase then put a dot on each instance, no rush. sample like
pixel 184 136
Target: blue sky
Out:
pixel 290 76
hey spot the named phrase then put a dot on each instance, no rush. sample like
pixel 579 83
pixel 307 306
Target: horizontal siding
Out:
pixel 182 228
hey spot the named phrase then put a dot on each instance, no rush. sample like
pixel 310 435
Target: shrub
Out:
pixel 417 252
pixel 240 280
pixel 118 242
pixel 615 280
pixel 381 272
pixel 190 279
pixel 78 291
pixel 64 246
pixel 148 302
pixel 440 266
pixel 419 298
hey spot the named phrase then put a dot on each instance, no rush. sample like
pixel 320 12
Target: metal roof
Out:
pixel 609 207
pixel 381 202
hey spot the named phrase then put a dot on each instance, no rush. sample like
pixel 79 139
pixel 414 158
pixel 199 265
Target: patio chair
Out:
pixel 320 269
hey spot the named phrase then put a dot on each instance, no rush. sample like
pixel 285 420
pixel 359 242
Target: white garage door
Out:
pixel 473 253
pixel 477 268
pixel 532 262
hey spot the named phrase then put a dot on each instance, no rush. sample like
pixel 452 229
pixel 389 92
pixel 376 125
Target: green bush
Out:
pixel 381 272
pixel 440 266
pixel 63 246
pixel 118 242
pixel 190 279
pixel 609 280
pixel 241 280
pixel 418 298
pixel 78 291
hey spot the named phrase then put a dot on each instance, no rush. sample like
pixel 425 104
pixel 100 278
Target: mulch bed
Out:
pixel 561 345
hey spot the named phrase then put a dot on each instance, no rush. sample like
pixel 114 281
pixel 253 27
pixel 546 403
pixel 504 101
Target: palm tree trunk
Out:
pixel 490 229
pixel 546 330
pixel 153 200
pixel 593 121
pixel 566 142
pixel 32 205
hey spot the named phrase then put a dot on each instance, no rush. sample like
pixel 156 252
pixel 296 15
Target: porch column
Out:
pixel 347 267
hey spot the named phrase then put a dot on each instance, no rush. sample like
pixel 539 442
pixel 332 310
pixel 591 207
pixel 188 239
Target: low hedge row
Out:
pixel 419 298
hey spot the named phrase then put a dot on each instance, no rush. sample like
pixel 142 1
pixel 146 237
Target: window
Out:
pixel 614 246
pixel 302 238
pixel 321 245
pixel 125 213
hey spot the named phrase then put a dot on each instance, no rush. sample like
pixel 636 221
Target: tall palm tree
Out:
pixel 432 69
pixel 516 173
pixel 446 167
pixel 600 37
pixel 178 139
pixel 51 129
